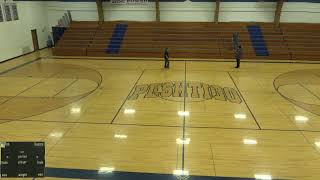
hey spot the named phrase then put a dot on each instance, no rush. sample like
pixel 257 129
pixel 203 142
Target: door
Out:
pixel 35 39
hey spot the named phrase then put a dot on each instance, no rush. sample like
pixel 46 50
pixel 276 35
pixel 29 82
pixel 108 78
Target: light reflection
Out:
pixel 129 111
pixel 301 118
pixel 104 170
pixel 120 136
pixel 183 141
pixel 317 143
pixel 250 141
pixel 56 134
pixel 179 172
pixel 75 110
pixel 263 176
pixel 183 113
pixel 240 116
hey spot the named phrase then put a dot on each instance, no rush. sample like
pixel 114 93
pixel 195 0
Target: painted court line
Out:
pixel 127 96
pixel 244 100
pixel 309 91
pixel 19 66
pixel 118 175
pixel 66 87
pixel 29 88
pixel 162 126
pixel 199 60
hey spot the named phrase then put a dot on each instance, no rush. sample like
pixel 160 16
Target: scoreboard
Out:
pixel 22 159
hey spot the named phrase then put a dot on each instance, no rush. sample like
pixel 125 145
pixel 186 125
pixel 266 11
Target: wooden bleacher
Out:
pixel 76 39
pixel 303 40
pixel 190 40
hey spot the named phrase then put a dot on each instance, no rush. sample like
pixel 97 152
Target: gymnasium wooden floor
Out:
pixel 262 120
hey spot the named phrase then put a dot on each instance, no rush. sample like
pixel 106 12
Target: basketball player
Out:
pixel 235 40
pixel 238 55
pixel 166 58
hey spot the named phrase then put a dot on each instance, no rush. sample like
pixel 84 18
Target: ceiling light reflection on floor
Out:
pixel 120 136
pixel 129 111
pixel 317 143
pixel 250 141
pixel 179 172
pixel 75 110
pixel 263 177
pixel 104 170
pixel 183 113
pixel 183 141
pixel 56 134
pixel 240 116
pixel 301 118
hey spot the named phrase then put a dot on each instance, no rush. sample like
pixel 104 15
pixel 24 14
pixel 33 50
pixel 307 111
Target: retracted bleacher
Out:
pixel 260 41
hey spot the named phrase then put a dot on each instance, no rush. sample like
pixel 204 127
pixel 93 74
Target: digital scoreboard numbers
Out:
pixel 23 159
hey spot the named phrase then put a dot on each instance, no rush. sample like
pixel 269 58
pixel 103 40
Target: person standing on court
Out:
pixel 166 58
pixel 235 40
pixel 238 53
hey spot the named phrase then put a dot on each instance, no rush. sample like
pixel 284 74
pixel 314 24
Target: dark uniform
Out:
pixel 235 41
pixel 166 58
pixel 238 55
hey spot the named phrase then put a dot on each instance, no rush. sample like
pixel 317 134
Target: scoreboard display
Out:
pixel 23 159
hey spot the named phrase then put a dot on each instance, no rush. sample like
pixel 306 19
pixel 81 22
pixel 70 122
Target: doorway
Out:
pixel 35 39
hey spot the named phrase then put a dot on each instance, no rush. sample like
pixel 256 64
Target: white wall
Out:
pixel 229 11
pixel 247 11
pixel 170 11
pixel 144 12
pixel 188 11
pixel 80 11
pixel 15 36
pixel 87 11
pixel 301 12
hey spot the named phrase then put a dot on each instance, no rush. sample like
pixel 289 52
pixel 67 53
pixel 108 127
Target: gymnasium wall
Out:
pixel 15 36
pixel 191 11
pixel 16 39
pixel 301 12
pixel 80 11
pixel 170 11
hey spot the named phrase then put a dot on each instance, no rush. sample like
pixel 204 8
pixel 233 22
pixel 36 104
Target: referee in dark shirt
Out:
pixel 166 58
pixel 238 54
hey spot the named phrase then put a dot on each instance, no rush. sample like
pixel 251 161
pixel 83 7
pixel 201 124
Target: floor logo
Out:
pixel 304 83
pixel 195 91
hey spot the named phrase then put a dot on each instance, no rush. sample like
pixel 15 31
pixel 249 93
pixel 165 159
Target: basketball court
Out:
pixel 197 118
